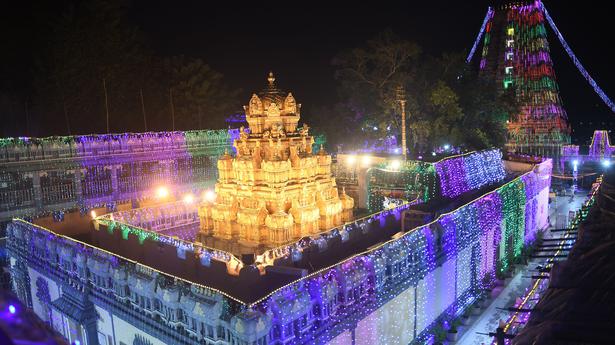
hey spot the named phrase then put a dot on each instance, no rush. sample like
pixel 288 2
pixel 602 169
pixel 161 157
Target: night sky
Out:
pixel 297 40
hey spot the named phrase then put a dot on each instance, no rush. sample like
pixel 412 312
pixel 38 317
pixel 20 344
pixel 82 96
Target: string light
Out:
pixel 461 174
pixel 480 34
pixel 576 61
pixel 188 198
pixel 443 261
pixel 601 145
pixel 209 195
pixel 540 125
pixel 97 167
pixel 518 318
pixel 473 224
pixel 456 175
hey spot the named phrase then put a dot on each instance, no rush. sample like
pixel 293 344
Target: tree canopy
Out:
pixel 447 101
pixel 90 59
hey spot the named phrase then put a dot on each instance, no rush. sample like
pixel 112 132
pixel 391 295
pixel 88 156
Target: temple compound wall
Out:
pixel 423 274
pixel 421 181
pixel 55 174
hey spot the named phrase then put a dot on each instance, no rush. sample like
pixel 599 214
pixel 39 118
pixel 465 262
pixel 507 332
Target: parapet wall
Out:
pixel 443 264
pixel 56 174
pixel 447 178
pixel 98 145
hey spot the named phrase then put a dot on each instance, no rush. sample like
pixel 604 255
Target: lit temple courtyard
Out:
pixel 442 192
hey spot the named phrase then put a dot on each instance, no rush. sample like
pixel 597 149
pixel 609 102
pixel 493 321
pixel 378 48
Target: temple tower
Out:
pixel 275 189
pixel 516 54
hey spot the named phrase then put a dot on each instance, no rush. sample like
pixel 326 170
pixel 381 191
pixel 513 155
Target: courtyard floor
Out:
pixel 505 296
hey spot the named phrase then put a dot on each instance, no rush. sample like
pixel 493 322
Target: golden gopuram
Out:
pixel 275 190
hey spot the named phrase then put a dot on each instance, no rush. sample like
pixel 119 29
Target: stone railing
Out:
pixel 82 146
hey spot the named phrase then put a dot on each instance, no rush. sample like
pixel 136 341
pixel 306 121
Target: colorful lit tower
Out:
pixel 516 54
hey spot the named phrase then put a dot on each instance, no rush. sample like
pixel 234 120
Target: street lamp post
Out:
pixel 401 97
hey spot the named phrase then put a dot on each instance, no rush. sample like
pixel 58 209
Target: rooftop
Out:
pixel 170 249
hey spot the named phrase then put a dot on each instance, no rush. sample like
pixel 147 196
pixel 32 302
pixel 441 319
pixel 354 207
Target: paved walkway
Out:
pixel 490 318
pixel 488 321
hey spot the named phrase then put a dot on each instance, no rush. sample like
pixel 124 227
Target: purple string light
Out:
pixel 461 174
pixel 600 145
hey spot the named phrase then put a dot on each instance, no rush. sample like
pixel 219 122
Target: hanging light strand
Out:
pixel 480 34
pixel 576 61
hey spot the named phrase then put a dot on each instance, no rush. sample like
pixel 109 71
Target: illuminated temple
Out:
pixel 275 189
pixel 274 256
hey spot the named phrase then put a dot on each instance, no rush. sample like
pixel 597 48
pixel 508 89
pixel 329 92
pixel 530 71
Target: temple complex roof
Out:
pixel 272 111
pixel 271 93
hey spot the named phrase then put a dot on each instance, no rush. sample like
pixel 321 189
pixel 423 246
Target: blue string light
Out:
pixel 576 61
pixel 480 34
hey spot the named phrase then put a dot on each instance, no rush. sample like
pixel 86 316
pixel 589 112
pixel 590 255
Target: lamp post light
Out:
pixel 606 163
pixel 401 98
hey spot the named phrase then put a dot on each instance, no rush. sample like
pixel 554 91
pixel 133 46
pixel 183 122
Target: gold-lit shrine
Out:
pixel 275 190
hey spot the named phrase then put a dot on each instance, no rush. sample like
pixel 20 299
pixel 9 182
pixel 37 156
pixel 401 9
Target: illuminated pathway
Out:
pixel 489 319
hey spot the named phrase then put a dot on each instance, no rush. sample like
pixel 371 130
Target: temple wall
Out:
pixel 436 269
pixel 105 326
pixel 448 178
pixel 455 255
pixel 44 175
pixel 54 292
pixel 126 333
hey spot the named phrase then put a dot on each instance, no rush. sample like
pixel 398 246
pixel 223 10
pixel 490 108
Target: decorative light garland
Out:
pixel 448 177
pixel 518 318
pixel 461 230
pixel 526 66
pixel 458 175
pixel 444 261
pixel 480 34
pixel 112 167
pixel 601 145
pixel 576 61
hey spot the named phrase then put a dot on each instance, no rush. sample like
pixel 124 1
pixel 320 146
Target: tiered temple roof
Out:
pixel 275 190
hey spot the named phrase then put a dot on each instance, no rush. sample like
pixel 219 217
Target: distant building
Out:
pixel 516 55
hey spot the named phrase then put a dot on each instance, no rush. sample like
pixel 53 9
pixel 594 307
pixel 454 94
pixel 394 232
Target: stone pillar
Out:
pixel 77 185
pixel 362 192
pixel 91 331
pixel 38 192
pixel 166 172
pixel 114 184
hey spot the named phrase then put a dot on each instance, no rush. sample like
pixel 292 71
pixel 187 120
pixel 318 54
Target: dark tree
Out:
pixel 89 62
pixel 447 103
